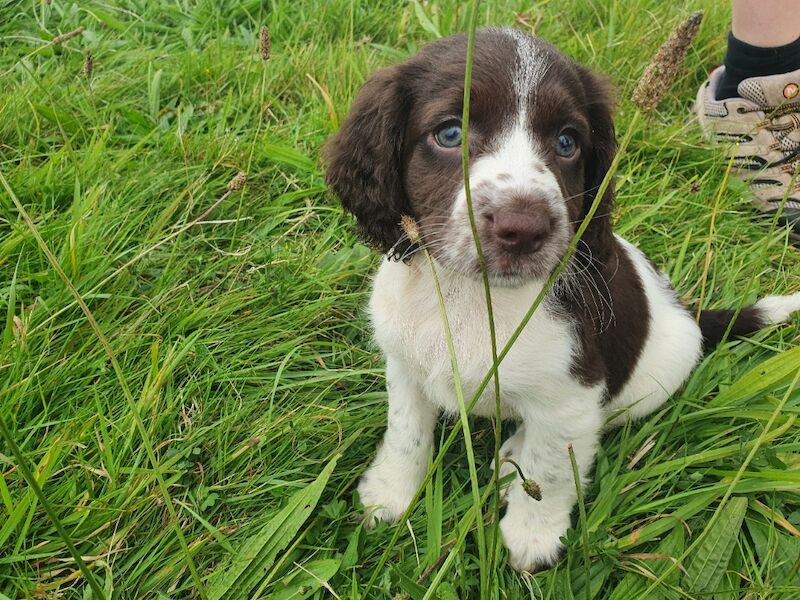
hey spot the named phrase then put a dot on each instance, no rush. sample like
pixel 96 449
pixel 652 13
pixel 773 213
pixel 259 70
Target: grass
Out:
pixel 242 338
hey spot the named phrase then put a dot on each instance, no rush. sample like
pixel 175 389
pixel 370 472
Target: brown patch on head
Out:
pixel 365 158
pixel 383 162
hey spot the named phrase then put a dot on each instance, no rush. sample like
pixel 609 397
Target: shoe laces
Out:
pixel 781 128
pixel 772 112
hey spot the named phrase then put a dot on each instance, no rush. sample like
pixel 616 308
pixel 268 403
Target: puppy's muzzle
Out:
pixel 522 228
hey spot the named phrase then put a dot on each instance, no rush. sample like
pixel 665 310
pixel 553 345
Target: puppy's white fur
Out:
pixel 776 309
pixel 672 349
pixel 537 389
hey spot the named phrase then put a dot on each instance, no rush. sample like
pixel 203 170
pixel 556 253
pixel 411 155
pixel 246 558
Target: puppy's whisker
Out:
pixel 597 215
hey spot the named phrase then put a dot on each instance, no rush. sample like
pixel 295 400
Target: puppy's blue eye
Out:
pixel 449 136
pixel 566 145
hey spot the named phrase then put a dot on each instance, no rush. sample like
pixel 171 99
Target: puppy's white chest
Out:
pixel 409 326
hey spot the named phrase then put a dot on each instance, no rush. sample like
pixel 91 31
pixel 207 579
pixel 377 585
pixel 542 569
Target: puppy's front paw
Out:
pixel 531 547
pixel 385 495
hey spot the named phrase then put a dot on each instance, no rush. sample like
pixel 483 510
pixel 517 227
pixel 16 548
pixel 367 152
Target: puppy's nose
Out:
pixel 520 232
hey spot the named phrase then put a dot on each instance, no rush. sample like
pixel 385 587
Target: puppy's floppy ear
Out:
pixel 600 154
pixel 365 159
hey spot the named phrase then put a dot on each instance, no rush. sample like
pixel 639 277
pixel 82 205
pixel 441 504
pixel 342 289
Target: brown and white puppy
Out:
pixel 611 340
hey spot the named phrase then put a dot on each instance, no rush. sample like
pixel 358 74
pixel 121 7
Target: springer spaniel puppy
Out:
pixel 610 342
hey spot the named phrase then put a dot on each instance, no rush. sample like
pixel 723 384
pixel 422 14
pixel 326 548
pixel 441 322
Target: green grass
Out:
pixel 242 336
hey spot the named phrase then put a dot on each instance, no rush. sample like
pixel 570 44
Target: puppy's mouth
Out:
pixel 503 268
pixel 508 267
pixel 516 248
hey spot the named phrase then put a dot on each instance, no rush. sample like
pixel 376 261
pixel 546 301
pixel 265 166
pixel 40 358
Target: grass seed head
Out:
pixel 264 43
pixel 88 65
pixel 237 183
pixel 532 489
pixel 60 39
pixel 663 67
pixel 411 228
pixel 529 486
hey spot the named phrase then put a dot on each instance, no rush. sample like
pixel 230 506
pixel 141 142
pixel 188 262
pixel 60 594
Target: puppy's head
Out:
pixel 541 139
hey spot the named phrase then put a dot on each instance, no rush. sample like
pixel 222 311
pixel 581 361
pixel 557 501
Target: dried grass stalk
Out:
pixel 410 227
pixel 88 65
pixel 662 69
pixel 60 39
pixel 532 489
pixel 237 183
pixel 264 44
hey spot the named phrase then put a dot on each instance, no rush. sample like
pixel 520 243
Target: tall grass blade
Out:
pixel 257 554
pixel 708 563
pixel 767 375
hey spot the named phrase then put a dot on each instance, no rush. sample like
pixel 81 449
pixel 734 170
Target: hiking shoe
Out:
pixel 761 128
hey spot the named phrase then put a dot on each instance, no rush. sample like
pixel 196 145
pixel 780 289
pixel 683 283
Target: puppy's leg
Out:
pixel 531 529
pixel 389 484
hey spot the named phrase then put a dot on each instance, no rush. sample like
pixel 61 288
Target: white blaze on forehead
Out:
pixel 516 164
pixel 532 65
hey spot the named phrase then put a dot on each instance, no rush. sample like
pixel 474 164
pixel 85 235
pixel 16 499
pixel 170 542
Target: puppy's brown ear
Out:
pixel 599 156
pixel 365 160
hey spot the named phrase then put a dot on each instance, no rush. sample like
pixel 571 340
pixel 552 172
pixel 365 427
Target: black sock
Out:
pixel 743 61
